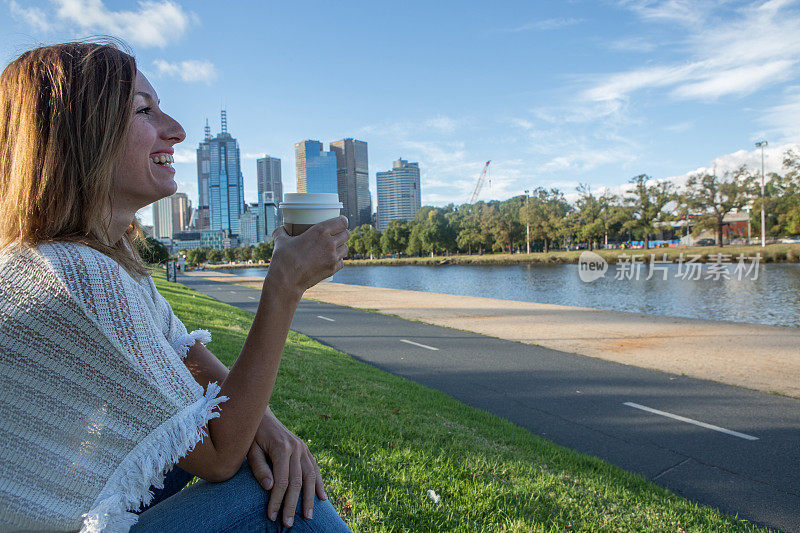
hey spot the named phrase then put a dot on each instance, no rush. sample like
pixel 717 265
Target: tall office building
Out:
pixel 181 212
pixel 269 179
pixel 171 215
pixel 225 181
pixel 201 221
pixel 352 177
pixel 271 215
pixel 162 218
pixel 398 193
pixel 316 168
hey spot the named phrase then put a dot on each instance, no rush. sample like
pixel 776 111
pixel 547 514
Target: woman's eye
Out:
pixel 145 110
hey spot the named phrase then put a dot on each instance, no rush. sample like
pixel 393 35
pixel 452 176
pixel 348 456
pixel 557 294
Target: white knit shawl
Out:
pixel 96 403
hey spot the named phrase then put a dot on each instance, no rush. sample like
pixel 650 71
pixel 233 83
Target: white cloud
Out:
pixel 543 25
pixel 185 155
pixel 441 124
pixel 155 23
pixel 34 16
pixel 189 71
pixel 740 54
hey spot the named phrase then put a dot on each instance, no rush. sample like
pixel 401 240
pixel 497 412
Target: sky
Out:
pixel 553 93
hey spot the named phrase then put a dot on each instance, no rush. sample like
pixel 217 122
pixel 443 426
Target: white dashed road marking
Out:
pixel 690 421
pixel 326 318
pixel 420 345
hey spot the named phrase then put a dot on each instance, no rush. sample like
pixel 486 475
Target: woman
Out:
pixel 102 390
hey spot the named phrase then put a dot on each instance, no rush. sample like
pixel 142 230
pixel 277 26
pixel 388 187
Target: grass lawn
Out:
pixel 382 441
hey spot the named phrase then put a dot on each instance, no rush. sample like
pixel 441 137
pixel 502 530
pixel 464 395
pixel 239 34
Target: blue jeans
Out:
pixel 238 504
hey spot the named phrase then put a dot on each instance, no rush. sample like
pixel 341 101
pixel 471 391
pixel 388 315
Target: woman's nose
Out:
pixel 173 130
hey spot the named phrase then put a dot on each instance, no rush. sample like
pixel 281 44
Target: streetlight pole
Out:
pixel 527 223
pixel 762 145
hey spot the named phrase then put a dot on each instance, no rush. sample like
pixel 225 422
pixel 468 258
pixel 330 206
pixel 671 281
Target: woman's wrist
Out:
pixel 279 291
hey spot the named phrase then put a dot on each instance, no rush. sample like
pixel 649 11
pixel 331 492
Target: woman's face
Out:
pixel 144 173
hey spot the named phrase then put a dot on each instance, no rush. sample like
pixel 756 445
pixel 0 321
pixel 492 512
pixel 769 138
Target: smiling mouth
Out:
pixel 164 160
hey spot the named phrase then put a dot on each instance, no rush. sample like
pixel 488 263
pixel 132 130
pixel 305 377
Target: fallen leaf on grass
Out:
pixel 323 415
pixel 433 496
pixel 395 411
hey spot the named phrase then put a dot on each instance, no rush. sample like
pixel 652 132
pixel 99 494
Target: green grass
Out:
pixel 383 441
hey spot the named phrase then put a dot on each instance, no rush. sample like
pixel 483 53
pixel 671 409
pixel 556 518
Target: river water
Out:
pixel 768 294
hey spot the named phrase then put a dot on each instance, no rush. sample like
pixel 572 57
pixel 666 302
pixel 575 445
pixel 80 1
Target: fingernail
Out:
pixel 289 521
pixel 309 515
pixel 267 484
pixel 273 515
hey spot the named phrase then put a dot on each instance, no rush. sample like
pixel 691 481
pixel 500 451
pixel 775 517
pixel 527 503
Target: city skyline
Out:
pixel 555 94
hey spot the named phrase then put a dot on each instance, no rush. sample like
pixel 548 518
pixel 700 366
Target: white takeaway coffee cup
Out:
pixel 301 210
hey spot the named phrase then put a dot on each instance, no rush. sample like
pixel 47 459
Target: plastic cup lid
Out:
pixel 311 200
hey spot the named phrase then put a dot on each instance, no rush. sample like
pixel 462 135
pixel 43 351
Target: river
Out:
pixel 769 294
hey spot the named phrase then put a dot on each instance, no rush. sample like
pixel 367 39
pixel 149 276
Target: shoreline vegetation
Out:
pixel 383 441
pixel 772 253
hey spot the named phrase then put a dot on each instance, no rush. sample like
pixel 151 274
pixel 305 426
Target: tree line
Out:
pixel 640 214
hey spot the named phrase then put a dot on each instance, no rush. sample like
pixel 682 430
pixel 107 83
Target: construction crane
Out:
pixel 478 185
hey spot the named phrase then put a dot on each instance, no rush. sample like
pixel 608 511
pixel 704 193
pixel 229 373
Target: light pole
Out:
pixel 762 145
pixel 527 223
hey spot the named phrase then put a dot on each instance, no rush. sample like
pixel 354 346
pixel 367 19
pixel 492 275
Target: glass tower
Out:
pixel 225 181
pixel 398 193
pixel 269 179
pixel 203 172
pixel 316 168
pixel 352 176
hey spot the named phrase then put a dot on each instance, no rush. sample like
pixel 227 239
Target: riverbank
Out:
pixel 759 357
pixel 772 253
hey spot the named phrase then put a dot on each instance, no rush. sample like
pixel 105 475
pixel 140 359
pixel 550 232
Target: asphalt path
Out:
pixel 731 448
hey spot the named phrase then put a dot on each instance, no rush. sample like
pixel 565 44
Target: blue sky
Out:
pixel 554 93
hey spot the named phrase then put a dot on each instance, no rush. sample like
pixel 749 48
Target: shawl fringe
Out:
pixel 129 486
pixel 185 342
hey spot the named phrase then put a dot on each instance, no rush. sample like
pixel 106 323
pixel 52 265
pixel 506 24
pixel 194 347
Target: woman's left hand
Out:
pixel 294 469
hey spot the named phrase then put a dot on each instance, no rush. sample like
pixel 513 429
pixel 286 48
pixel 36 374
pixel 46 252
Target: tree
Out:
pixel 435 233
pixel 395 238
pixel 546 211
pixel 263 251
pixel 153 251
pixel 364 240
pixel 595 215
pixel 716 196
pixel 214 256
pixel 646 205
pixel 470 235
pixel 229 254
pixel 197 256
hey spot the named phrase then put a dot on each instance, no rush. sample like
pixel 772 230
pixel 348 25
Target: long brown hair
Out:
pixel 64 116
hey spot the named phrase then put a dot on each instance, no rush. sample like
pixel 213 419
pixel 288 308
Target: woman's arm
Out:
pixel 297 263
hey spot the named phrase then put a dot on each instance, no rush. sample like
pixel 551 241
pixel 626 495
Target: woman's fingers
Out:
pixel 280 462
pixel 320 485
pixel 309 485
pixel 258 464
pixel 293 492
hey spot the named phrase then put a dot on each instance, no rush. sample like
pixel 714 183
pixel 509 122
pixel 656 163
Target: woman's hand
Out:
pixel 294 469
pixel 303 261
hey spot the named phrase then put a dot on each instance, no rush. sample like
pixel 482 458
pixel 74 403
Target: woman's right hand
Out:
pixel 303 261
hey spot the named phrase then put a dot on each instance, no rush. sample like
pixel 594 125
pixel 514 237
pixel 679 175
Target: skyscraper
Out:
pixel 352 177
pixel 171 215
pixel 203 172
pixel 181 211
pixel 162 218
pixel 316 168
pixel 225 181
pixel 399 195
pixel 269 179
